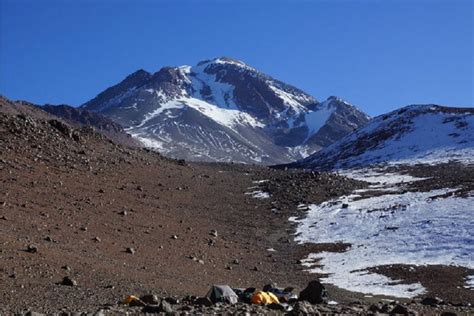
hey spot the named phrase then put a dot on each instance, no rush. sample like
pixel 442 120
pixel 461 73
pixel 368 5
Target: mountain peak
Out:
pixel 224 61
pixel 139 74
pixel 205 112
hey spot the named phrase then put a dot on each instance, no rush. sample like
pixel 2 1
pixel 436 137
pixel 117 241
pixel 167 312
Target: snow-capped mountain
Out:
pixel 225 110
pixel 410 135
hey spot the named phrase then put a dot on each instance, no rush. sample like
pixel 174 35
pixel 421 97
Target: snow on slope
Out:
pixel 204 112
pixel 416 228
pixel 411 135
pixel 226 117
pixel 316 119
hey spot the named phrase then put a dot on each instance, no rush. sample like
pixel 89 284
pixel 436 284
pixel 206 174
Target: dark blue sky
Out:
pixel 378 55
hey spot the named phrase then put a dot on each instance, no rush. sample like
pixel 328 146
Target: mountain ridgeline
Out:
pixel 224 110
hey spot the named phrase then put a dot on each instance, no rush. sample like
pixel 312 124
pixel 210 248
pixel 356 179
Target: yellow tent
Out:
pixel 264 298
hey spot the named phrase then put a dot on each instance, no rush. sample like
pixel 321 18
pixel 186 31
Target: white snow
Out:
pixel 420 134
pixel 221 94
pixel 294 101
pixel 379 177
pixel 316 119
pixel 414 228
pixel 150 143
pixel 470 282
pixel 258 194
pixel 226 117
pixel 173 104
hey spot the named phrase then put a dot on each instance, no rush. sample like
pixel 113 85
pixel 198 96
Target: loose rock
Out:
pixel 68 281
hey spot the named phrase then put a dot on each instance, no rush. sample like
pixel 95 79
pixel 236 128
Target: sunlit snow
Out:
pixel 415 228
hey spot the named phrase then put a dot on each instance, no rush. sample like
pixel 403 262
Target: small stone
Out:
pixel 301 308
pixel 151 309
pixel 166 307
pixel 203 301
pixel 139 188
pixel 213 233
pixel 96 239
pixel 123 213
pixel 375 308
pixel 150 299
pixel 48 239
pixel 30 313
pixel 385 308
pixel 448 314
pixel 32 249
pixel 174 237
pixel 68 281
pixel 67 268
pixel 276 306
pixel 172 300
pixel 255 268
pixel 201 261
pixel 236 261
pixel 432 301
pixel 400 309
pixel 130 250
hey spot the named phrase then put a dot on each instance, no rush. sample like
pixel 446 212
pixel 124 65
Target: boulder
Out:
pixel 400 310
pixel 303 308
pixel 432 301
pixel 150 299
pixel 164 307
pixel 314 293
pixel 68 281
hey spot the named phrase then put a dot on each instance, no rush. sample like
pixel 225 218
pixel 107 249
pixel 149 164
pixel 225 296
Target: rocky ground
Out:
pixel 117 221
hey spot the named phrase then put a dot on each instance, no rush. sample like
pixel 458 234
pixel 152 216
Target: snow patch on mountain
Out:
pixel 414 228
pixel 226 117
pixel 316 119
pixel 173 104
pixel 294 101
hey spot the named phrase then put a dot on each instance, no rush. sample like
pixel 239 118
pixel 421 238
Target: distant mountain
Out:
pixel 225 110
pixel 410 135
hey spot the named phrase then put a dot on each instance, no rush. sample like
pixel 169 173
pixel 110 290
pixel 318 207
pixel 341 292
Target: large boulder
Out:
pixel 314 293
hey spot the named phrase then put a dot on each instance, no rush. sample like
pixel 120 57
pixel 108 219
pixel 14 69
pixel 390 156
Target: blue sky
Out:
pixel 378 55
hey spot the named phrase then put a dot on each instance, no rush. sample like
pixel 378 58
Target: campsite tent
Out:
pixel 222 293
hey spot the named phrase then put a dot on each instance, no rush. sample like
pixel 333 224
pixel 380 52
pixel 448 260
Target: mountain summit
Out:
pixel 225 110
